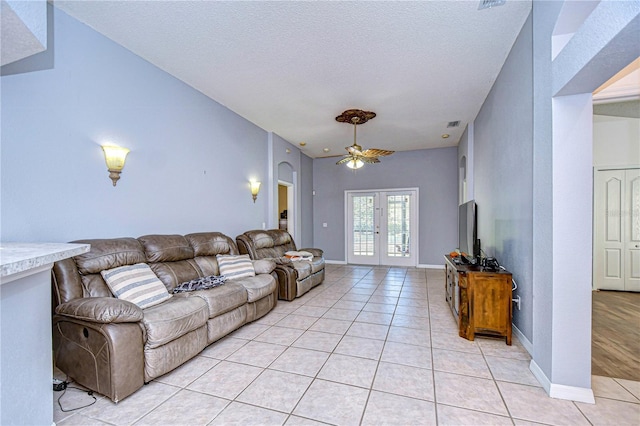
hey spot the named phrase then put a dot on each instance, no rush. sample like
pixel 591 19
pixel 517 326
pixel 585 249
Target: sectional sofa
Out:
pixel 114 345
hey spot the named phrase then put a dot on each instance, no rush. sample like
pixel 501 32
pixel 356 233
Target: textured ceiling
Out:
pixel 291 67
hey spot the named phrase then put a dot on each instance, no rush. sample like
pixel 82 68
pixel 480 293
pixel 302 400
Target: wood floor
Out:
pixel 615 341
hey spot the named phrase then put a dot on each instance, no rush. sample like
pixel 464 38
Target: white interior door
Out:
pixel 632 231
pixel 382 227
pixel 616 260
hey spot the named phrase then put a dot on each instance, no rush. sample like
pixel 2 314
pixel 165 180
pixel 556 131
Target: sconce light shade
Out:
pixel 115 157
pixel 355 164
pixel 255 188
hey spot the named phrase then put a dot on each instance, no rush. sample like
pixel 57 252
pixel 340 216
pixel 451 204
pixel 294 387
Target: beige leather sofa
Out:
pixel 295 278
pixel 112 346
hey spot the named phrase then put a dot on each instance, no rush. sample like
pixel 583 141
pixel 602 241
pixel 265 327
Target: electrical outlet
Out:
pixel 517 302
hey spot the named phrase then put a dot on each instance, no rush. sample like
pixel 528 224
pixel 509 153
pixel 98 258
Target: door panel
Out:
pixel 613 262
pixel 608 262
pixel 361 233
pixel 398 229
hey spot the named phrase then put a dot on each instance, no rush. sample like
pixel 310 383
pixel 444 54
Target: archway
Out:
pixel 286 198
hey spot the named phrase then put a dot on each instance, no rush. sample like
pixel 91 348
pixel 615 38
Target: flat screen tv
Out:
pixel 468 242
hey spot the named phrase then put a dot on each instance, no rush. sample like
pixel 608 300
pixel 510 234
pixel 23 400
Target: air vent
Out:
pixel 453 124
pixel 488 4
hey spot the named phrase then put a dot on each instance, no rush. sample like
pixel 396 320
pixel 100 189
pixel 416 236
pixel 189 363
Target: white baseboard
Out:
pixel 554 390
pixel 523 339
pixel 430 266
pixel 572 393
pixel 342 262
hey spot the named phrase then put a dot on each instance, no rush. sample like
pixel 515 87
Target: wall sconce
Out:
pixel 115 157
pixel 255 188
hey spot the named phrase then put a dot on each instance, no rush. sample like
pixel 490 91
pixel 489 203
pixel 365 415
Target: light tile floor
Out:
pixel 369 346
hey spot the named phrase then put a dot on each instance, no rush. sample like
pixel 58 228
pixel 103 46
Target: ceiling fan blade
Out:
pixel 375 152
pixel 345 160
pixel 369 160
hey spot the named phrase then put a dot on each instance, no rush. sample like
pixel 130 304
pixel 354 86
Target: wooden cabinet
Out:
pixel 480 300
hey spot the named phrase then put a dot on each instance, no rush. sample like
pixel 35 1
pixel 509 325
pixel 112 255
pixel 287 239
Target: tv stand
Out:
pixel 480 300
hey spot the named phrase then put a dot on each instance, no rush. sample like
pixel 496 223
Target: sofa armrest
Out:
pixel 102 310
pixel 264 266
pixel 282 260
pixel 316 252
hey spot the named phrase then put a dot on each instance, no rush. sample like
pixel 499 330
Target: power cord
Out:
pixel 63 386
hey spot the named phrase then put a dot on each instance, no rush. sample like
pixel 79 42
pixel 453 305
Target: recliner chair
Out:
pixel 296 277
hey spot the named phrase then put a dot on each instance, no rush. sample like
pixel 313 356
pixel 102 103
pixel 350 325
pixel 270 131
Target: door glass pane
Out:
pixel 363 222
pixel 398 220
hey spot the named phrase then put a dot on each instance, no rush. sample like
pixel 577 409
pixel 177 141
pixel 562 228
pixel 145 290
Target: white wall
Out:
pixel 616 141
pixel 572 238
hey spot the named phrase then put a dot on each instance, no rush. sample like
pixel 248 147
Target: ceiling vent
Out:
pixel 488 4
pixel 453 124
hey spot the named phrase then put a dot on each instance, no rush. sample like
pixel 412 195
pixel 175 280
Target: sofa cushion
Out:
pixel 260 239
pixel 172 274
pixel 234 267
pixel 108 254
pixel 259 286
pixel 302 267
pixel 172 319
pixel 136 284
pixel 208 265
pixel 166 248
pixel 281 237
pixel 220 299
pixel 211 244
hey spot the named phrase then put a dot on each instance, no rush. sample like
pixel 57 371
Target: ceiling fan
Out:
pixel 356 157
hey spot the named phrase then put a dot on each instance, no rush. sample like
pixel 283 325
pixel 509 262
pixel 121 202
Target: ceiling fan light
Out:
pixel 355 164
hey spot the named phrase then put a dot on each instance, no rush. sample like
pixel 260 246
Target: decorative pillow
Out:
pixel 201 283
pixel 238 266
pixel 136 284
pixel 299 255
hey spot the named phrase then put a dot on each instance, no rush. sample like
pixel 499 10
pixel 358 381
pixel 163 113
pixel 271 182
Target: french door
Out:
pixel 382 227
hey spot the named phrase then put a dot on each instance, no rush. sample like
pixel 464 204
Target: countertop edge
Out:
pixel 20 257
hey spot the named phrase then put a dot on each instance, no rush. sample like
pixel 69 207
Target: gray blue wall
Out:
pixel 433 171
pixel 190 160
pixel 503 172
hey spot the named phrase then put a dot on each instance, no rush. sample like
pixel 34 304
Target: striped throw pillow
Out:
pixel 136 284
pixel 233 267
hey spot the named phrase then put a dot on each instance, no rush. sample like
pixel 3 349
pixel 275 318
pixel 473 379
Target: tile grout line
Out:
pixel 433 369
pixel 384 344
